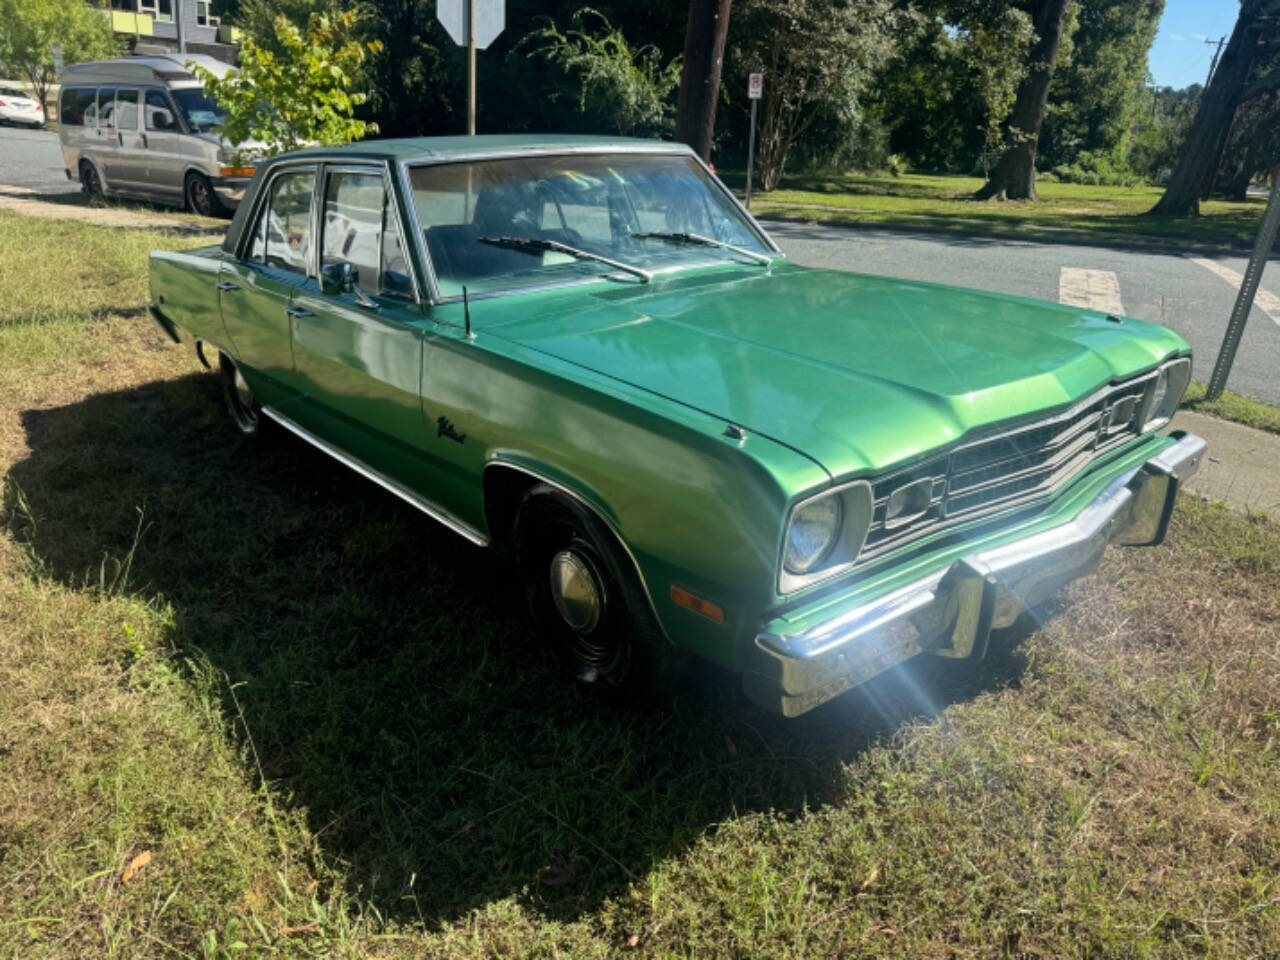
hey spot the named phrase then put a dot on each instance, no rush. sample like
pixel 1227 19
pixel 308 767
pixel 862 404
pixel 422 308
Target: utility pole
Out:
pixel 179 7
pixel 704 39
pixel 471 68
pixel 1213 64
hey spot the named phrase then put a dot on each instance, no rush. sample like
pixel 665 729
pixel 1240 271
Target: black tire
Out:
pixel 90 182
pixel 245 411
pixel 619 654
pixel 201 197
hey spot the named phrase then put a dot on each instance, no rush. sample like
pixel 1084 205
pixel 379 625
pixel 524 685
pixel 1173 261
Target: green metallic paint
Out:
pixel 621 393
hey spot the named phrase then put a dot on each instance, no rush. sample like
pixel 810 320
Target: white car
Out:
pixel 17 107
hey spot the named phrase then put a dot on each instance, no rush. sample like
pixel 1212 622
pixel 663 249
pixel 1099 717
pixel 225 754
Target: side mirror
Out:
pixel 338 277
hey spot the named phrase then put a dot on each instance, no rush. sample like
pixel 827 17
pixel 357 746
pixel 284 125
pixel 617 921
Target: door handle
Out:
pixel 120 138
pixel 298 312
pixel 145 145
pixel 228 285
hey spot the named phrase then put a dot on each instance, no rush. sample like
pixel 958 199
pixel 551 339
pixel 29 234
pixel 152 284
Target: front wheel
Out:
pixel 583 599
pixel 201 197
pixel 90 182
pixel 245 411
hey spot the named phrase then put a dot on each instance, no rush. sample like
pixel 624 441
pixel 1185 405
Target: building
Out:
pixel 165 26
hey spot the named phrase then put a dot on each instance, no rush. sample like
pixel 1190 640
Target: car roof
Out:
pixel 512 144
pixel 171 68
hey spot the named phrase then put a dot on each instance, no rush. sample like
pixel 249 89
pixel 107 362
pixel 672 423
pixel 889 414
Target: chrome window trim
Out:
pixel 366 167
pixel 507 153
pixel 387 483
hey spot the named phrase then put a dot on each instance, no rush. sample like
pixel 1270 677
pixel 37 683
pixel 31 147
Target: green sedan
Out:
pixel 586 354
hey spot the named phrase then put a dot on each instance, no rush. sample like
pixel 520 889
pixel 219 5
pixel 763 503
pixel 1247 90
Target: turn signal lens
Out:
pixel 706 608
pixel 237 171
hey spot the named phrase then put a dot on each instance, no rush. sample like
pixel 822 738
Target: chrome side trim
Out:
pixel 388 484
pixel 598 513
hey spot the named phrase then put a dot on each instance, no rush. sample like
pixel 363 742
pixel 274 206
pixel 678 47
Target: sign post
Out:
pixel 755 88
pixel 473 24
pixel 1248 290
pixel 56 50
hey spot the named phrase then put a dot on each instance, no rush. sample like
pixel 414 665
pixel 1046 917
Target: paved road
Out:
pixel 32 159
pixel 1192 294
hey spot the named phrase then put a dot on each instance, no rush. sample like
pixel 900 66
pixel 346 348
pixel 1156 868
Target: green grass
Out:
pixel 1234 406
pixel 321 717
pixel 1065 211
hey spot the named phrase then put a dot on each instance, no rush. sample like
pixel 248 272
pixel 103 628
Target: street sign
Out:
pixel 56 50
pixel 490 19
pixel 755 86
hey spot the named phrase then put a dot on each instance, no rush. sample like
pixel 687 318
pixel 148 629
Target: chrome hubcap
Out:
pixel 576 591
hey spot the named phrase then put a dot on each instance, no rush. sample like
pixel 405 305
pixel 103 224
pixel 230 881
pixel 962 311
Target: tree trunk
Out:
pixel 1218 107
pixel 1015 174
pixel 700 76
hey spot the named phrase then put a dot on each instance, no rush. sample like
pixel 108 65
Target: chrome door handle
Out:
pixel 228 285
pixel 298 312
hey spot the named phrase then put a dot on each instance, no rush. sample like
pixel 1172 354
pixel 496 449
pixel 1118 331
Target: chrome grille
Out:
pixel 1009 468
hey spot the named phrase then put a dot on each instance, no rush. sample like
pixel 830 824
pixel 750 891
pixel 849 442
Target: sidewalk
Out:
pixel 1242 465
pixel 73 206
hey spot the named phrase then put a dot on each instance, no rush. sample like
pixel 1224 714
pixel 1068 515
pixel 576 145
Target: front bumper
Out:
pixel 951 611
pixel 230 190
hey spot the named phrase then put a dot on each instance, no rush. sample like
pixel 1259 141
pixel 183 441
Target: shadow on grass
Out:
pixel 386 678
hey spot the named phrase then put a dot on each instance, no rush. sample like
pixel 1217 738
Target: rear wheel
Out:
pixel 245 411
pixel 583 598
pixel 90 182
pixel 201 198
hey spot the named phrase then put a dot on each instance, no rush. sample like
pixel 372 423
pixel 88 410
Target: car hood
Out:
pixel 858 372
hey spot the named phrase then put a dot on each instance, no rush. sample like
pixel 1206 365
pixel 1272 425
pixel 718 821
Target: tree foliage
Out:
pixel 629 89
pixel 818 58
pixel 302 93
pixel 29 28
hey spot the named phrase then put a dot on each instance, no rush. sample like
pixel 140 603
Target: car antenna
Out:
pixel 466 313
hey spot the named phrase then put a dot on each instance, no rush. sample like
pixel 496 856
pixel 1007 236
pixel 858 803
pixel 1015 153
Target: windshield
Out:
pixel 201 113
pixel 599 204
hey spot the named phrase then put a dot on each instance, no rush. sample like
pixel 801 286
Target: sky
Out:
pixel 1180 57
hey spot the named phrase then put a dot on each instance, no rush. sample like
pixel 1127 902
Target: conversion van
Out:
pixel 142 127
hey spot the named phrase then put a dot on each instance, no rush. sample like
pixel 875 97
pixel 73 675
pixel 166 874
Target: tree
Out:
pixel 818 60
pixel 1253 147
pixel 29 28
pixel 1246 71
pixel 704 41
pixel 1015 175
pixel 630 89
pixel 299 96
pixel 1096 97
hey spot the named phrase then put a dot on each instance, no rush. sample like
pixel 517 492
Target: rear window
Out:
pixel 11 92
pixel 75 101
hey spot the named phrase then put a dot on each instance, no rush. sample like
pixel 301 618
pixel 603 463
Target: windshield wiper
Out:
pixel 532 244
pixel 698 240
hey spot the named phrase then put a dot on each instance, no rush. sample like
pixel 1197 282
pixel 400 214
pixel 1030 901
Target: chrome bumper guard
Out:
pixel 952 611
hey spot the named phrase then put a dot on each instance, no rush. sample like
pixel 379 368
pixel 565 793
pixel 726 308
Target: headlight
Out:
pixel 812 533
pixel 825 534
pixel 1165 394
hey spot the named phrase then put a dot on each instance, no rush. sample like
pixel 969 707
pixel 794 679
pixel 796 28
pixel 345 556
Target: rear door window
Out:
pixel 106 108
pixel 76 102
pixel 282 235
pixel 127 109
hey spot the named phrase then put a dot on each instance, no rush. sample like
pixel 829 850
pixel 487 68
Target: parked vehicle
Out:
pixel 142 127
pixel 584 352
pixel 19 109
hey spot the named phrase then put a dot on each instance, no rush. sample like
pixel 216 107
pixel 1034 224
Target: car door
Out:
pixel 127 165
pixel 162 141
pixel 102 140
pixel 359 352
pixel 257 287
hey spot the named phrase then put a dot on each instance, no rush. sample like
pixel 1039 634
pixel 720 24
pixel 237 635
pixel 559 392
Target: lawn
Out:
pixel 1067 212
pixel 252 705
